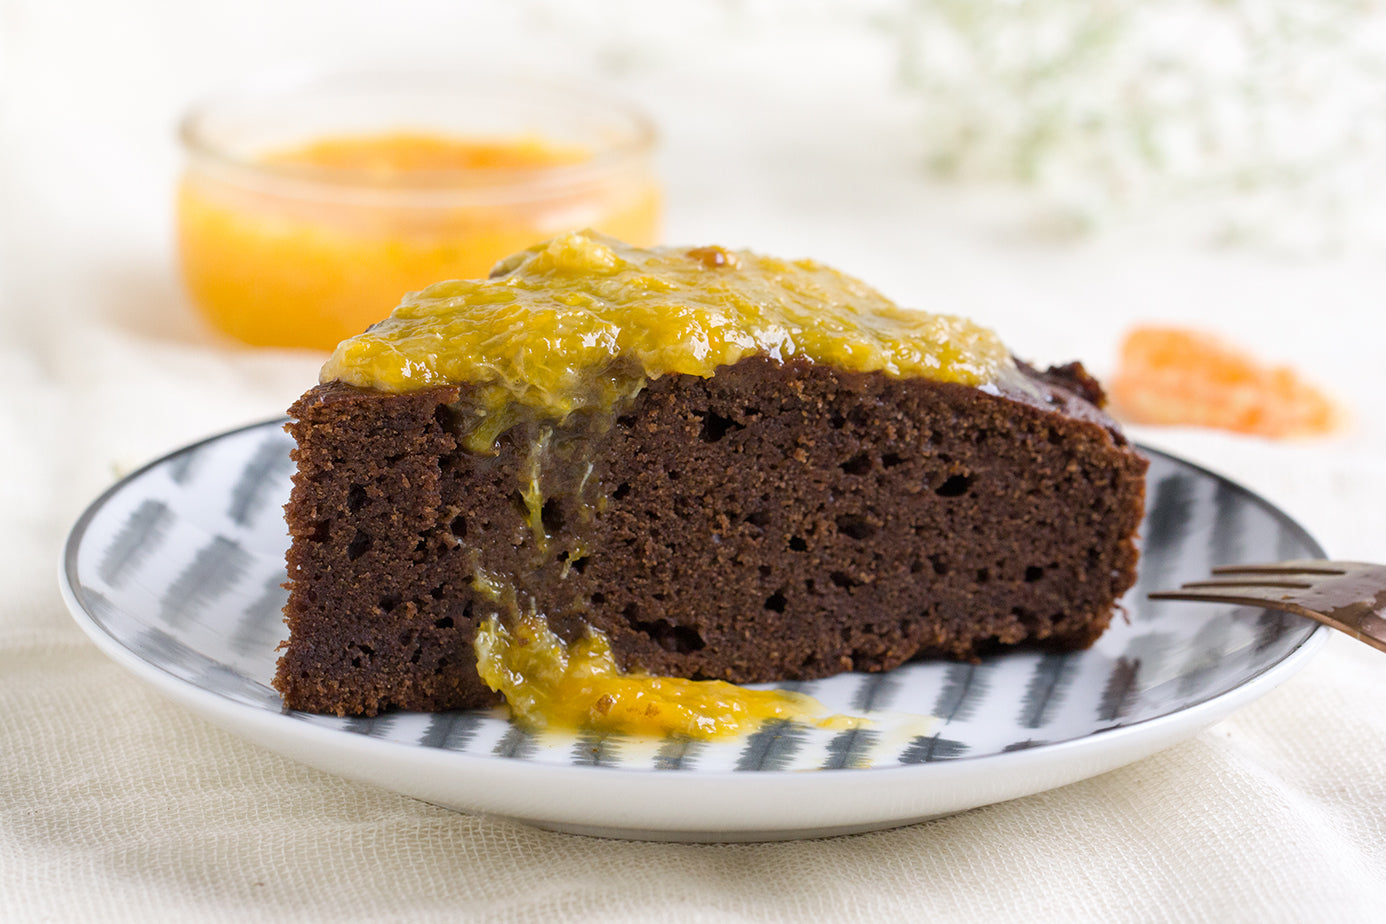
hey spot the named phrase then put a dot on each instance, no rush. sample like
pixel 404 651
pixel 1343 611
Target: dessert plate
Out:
pixel 175 573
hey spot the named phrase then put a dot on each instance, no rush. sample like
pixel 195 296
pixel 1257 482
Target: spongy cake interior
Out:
pixel 777 520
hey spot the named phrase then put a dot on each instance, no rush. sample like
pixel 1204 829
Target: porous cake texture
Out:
pixel 776 520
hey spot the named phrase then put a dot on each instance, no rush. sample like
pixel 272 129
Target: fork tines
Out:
pixel 1283 567
pixel 1250 582
pixel 1349 596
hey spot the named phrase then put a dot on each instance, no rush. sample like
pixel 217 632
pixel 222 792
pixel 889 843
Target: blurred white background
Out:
pixel 795 128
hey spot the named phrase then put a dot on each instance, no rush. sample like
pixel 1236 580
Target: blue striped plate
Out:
pixel 175 572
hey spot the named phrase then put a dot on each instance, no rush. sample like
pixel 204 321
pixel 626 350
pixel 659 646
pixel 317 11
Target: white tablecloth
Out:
pixel 116 805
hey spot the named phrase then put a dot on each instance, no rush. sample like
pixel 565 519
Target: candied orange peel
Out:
pixel 1181 376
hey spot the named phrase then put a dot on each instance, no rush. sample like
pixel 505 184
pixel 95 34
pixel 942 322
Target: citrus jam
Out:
pixel 583 320
pixel 550 684
pixel 310 244
pixel 1178 376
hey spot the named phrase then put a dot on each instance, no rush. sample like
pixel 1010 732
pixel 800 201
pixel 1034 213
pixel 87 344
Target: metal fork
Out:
pixel 1349 596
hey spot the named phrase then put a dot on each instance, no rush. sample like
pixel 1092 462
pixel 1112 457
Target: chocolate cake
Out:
pixel 780 518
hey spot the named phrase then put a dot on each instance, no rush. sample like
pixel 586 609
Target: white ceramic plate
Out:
pixel 175 574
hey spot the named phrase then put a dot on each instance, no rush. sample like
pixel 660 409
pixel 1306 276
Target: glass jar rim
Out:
pixel 451 186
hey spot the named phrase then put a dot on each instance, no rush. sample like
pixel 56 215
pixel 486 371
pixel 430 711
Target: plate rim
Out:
pixel 242 719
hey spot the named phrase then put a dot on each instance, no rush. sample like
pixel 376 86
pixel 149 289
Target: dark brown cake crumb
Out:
pixel 775 521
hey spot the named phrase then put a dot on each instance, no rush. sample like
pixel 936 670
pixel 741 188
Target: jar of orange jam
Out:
pixel 306 211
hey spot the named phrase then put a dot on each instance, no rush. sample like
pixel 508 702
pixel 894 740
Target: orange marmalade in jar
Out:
pixel 305 213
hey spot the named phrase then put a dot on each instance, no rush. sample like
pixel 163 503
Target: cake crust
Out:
pixel 777 520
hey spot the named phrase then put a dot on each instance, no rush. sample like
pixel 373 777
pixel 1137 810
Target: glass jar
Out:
pixel 307 210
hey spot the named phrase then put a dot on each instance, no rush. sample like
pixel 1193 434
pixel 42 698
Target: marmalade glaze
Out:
pixel 583 321
pixel 548 683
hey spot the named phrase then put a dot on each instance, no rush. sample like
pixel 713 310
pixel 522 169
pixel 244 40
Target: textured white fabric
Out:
pixel 116 805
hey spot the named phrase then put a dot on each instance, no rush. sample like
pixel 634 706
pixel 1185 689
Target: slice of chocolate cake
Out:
pixel 780 514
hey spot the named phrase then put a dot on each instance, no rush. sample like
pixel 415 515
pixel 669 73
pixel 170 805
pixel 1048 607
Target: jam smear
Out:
pixel 548 683
pixel 1179 376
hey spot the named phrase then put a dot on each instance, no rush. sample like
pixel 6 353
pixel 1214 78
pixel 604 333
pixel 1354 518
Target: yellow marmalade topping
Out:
pixel 548 683
pixel 583 321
